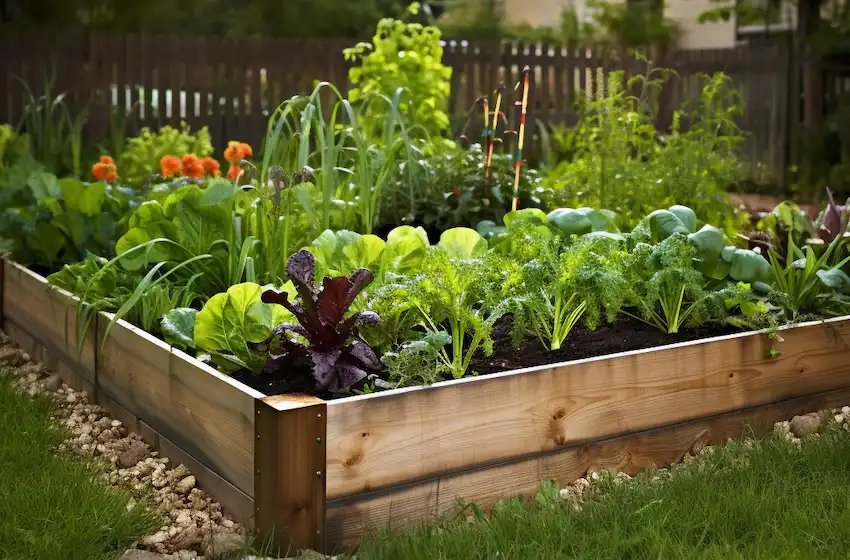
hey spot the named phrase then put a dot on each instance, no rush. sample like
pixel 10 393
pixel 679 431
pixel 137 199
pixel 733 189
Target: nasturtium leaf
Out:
pixel 686 216
pixel 178 327
pixel 569 221
pixel 462 243
pixel 663 224
pixel 836 279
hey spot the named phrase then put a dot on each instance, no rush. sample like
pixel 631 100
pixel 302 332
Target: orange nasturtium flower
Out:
pixel 105 169
pixel 237 151
pixel 170 166
pixel 211 166
pixel 193 166
pixel 233 172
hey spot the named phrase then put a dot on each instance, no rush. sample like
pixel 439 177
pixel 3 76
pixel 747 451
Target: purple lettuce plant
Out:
pixel 833 220
pixel 340 358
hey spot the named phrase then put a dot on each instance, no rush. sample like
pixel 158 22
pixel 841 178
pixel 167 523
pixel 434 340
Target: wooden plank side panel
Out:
pixel 397 507
pixel 290 479
pixel 204 412
pixel 48 315
pixel 408 435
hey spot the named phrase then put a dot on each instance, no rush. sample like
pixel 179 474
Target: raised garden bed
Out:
pixel 318 474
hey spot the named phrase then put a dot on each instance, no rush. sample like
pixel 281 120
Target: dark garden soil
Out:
pixel 625 335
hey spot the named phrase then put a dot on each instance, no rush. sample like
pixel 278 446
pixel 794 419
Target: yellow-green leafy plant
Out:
pixel 140 160
pixel 404 56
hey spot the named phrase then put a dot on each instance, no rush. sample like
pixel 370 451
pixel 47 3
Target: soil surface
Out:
pixel 625 335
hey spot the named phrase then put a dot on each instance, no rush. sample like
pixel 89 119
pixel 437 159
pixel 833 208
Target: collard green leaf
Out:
pixel 569 221
pixel 747 266
pixel 709 243
pixel 462 243
pixel 836 279
pixel 600 220
pixel 663 224
pixel 605 235
pixel 686 216
pixel 82 198
pixel 488 228
pixel 178 327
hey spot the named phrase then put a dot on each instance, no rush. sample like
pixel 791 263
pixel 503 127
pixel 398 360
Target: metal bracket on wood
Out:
pixel 290 456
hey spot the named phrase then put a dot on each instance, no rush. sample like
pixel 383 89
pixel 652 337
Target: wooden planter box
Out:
pixel 317 474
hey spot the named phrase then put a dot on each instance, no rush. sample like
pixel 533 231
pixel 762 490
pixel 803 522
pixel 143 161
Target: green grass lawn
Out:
pixel 772 501
pixel 51 506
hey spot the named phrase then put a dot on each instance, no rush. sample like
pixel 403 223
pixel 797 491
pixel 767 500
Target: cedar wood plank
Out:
pixel 350 518
pixel 410 434
pixel 205 413
pixel 47 314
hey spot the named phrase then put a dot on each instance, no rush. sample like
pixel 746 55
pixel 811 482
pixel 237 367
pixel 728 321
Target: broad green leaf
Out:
pixel 43 185
pixel 218 191
pixel 156 252
pixel 196 226
pixel 599 219
pixel 747 266
pixel 365 252
pixel 178 327
pixel 663 224
pixel 534 215
pixel 231 320
pixel 328 250
pixel 709 243
pixel 405 249
pixel 686 216
pixel 488 228
pixel 462 243
pixel 836 279
pixel 569 221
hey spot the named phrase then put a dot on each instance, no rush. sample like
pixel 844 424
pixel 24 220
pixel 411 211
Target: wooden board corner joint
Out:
pixel 290 462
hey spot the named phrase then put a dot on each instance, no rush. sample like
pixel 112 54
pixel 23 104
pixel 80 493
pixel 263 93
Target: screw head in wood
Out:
pixel 319 474
pixel 318 440
pixel 319 415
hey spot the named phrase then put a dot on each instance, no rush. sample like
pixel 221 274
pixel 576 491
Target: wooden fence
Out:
pixel 231 86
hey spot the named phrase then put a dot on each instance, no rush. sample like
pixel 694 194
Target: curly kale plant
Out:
pixel 555 290
pixel 340 358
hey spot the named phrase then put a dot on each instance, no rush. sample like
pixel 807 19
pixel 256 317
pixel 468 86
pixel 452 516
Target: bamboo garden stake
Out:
pixel 491 131
pixel 523 107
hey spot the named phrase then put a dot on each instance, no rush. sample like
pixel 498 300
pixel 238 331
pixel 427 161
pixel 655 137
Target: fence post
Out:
pixel 290 464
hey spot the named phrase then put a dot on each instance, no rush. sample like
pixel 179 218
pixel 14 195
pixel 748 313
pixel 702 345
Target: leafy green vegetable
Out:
pixel 462 243
pixel 229 321
pixel 570 222
pixel 178 327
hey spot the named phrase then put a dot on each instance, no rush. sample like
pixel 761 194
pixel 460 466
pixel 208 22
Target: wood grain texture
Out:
pixel 207 414
pixel 382 440
pixel 47 314
pixel 350 518
pixel 290 472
